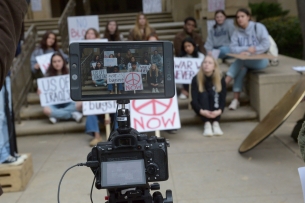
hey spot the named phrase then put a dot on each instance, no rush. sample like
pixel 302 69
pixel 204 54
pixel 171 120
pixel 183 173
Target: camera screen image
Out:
pixel 123 173
pixel 129 68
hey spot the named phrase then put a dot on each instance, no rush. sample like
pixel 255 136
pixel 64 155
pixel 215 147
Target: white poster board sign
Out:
pixel 107 53
pixel 78 26
pixel 99 74
pixel 186 69
pixel 154 114
pixel 214 5
pixel 302 177
pixel 110 61
pixel 133 81
pixel 98 107
pixel 144 68
pixel 54 90
pixel 36 5
pixel 152 6
pixel 113 78
pixel 44 62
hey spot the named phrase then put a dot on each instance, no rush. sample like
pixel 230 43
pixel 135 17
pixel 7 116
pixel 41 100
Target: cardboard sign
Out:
pixel 154 114
pixel 107 53
pixel 98 107
pixel 144 68
pixel 78 26
pixel 54 90
pixel 110 61
pixel 214 5
pixel 133 81
pixel 113 78
pixel 44 62
pixel 186 69
pixel 99 74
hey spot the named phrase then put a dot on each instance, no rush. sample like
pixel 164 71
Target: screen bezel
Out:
pixel 75 72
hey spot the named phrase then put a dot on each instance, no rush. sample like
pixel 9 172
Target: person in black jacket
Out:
pixel 209 95
pixel 154 78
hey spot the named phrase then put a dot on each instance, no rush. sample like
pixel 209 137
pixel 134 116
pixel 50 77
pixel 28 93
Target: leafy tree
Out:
pixel 301 10
pixel 265 10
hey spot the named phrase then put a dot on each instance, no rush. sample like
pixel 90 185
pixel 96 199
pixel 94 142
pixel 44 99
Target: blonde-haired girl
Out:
pixel 154 78
pixel 141 30
pixel 209 96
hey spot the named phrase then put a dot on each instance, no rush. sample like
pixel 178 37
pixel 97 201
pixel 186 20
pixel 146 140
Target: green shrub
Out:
pixel 267 10
pixel 286 32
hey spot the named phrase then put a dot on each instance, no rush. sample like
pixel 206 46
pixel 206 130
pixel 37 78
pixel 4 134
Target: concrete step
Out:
pixel 187 117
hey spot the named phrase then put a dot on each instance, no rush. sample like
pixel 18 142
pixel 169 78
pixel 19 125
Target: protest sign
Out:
pixel 107 53
pixel 44 62
pixel 154 114
pixel 186 69
pixel 99 74
pixel 98 107
pixel 133 81
pixel 78 26
pixel 152 6
pixel 144 68
pixel 54 90
pixel 214 5
pixel 110 61
pixel 113 78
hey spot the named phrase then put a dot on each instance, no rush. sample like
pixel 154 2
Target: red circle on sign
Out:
pixel 156 107
pixel 132 79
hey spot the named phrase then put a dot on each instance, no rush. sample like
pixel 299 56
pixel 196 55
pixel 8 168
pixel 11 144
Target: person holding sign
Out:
pixel 119 86
pixel 141 30
pixel 112 32
pixel 209 96
pixel 91 33
pixel 249 38
pixel 219 37
pixel 64 111
pixel 188 50
pixel 48 44
pixel 132 60
pixel 101 82
pixel 134 67
pixel 154 77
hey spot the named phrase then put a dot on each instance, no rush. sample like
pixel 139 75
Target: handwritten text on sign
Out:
pixel 214 5
pixel 54 90
pixel 44 62
pixel 99 107
pixel 99 74
pixel 144 68
pixel 110 61
pixel 113 78
pixel 78 26
pixel 154 114
pixel 186 69
pixel 133 81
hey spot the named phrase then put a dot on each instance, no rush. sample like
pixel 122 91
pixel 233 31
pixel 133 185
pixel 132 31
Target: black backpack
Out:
pixel 297 128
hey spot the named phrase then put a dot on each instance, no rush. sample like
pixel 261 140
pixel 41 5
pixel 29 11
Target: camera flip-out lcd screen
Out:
pixel 123 173
pixel 125 70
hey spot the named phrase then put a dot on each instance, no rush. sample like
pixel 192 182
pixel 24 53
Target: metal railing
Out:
pixel 63 24
pixel 85 67
pixel 21 74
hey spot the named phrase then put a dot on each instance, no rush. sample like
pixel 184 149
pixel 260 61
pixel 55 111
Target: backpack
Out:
pixel 273 50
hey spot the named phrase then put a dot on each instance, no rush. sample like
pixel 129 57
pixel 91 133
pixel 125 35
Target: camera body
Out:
pixel 128 150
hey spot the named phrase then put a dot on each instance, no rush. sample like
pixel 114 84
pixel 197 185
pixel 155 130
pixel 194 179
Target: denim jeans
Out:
pixel 239 69
pixel 62 111
pixel 224 50
pixel 100 82
pixel 92 123
pixel 119 86
pixel 4 134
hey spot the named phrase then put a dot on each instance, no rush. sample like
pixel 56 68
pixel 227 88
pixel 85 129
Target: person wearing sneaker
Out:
pixel 154 78
pixel 209 96
pixel 119 85
pixel 101 82
pixel 249 38
pixel 188 50
pixel 64 111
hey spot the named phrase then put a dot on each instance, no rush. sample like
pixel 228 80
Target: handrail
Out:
pixel 63 24
pixel 21 74
pixel 85 67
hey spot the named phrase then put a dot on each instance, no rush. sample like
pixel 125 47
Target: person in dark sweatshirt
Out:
pixel 219 37
pixel 209 96
pixel 249 38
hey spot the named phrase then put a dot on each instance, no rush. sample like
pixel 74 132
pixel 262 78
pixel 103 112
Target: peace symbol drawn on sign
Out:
pixel 132 79
pixel 153 107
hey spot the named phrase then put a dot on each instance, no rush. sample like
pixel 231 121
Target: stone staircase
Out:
pixel 34 122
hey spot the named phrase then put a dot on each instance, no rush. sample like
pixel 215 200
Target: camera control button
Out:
pixel 73 65
pixel 148 154
pixel 109 149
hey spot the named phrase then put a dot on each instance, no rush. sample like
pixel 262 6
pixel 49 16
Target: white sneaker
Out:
pixel 207 130
pixel 12 161
pixel 53 120
pixel 157 91
pixel 216 129
pixel 153 90
pixel 234 104
pixel 77 116
pixel 182 96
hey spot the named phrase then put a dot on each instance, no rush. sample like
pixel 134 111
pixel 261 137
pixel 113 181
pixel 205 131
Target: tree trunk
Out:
pixel 301 11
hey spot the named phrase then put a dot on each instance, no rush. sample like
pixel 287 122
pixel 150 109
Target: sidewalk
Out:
pixel 208 170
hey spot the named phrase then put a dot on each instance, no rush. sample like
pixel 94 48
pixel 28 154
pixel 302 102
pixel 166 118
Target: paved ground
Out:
pixel 208 170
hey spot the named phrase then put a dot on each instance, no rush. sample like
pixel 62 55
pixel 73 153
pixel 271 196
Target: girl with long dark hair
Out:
pixel 112 32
